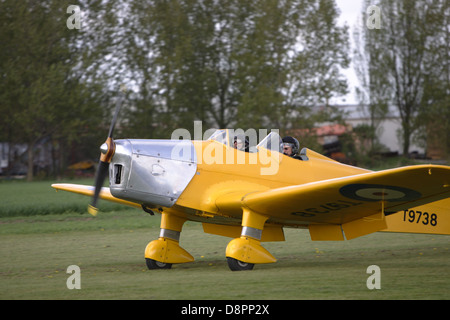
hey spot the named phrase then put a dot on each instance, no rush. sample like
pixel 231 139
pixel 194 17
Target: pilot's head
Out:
pixel 290 146
pixel 241 143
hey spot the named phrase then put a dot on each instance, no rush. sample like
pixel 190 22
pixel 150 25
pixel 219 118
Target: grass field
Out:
pixel 37 249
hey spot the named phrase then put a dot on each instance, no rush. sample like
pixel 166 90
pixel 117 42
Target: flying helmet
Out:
pixel 291 142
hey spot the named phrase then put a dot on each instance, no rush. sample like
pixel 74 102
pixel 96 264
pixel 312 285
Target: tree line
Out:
pixel 406 64
pixel 227 63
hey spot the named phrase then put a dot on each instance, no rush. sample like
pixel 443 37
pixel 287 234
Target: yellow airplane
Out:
pixel 251 196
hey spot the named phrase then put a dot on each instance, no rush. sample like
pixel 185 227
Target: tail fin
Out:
pixel 432 218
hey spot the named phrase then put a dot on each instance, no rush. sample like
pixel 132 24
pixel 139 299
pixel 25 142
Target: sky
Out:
pixel 350 10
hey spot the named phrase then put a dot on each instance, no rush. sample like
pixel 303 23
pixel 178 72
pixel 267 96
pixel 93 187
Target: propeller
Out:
pixel 107 150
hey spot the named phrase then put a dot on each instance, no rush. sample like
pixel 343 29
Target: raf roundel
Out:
pixel 375 192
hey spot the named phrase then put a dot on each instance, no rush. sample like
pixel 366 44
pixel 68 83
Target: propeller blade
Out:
pixel 114 120
pixel 107 152
pixel 102 172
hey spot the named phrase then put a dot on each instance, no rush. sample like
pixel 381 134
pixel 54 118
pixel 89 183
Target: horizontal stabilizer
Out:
pixel 433 218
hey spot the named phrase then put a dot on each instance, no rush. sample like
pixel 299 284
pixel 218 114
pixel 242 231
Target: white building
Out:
pixel 389 131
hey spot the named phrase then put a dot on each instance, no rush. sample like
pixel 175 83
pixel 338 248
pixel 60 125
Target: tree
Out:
pixel 374 91
pixel 405 49
pixel 435 111
pixel 43 95
pixel 231 63
pixel 320 51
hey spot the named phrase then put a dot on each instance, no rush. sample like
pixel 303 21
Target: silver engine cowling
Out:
pixel 152 172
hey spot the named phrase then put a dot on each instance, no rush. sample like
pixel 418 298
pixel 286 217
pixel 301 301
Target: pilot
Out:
pixel 241 143
pixel 291 147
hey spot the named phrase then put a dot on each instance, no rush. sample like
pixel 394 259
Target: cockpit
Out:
pixel 249 138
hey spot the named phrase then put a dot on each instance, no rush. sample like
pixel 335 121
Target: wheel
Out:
pixel 237 265
pixel 153 264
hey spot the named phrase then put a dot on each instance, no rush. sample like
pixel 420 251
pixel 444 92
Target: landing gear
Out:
pixel 242 253
pixel 237 265
pixel 163 252
pixel 153 264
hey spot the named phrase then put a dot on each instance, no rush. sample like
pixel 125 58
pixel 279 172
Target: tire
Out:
pixel 237 265
pixel 153 264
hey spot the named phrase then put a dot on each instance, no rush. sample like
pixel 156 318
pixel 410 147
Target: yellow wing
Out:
pixel 105 193
pixel 352 204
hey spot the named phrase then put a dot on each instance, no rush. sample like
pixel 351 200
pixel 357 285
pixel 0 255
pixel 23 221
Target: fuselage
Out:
pixel 195 179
